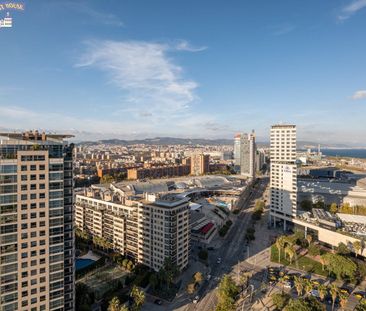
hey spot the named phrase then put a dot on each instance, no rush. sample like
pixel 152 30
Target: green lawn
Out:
pixel 303 263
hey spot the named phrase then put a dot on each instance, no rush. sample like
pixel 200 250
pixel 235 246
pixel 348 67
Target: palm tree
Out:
pixel 309 238
pixel 299 285
pixel 343 300
pixel 114 304
pixel 323 261
pixel 334 294
pixel 322 290
pixel 357 246
pixel 289 250
pixel 280 243
pixel 138 298
pixel 308 286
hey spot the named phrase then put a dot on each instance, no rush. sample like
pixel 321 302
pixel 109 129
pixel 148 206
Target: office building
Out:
pixel 244 154
pixel 36 222
pixel 147 229
pixel 200 164
pixel 283 178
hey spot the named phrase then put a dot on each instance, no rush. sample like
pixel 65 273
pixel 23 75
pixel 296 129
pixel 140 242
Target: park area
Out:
pixel 304 254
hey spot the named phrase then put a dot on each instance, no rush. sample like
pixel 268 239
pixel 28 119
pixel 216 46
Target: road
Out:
pixel 232 253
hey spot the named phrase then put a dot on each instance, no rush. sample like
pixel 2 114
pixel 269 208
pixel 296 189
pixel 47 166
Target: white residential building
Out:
pixel 283 183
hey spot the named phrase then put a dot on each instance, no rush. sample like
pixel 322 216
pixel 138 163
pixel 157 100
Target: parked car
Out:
pixel 196 299
pixel 158 302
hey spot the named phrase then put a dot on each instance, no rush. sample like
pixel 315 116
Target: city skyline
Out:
pixel 191 70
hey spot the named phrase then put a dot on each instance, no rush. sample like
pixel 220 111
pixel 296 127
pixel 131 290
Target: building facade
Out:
pixel 244 154
pixel 283 178
pixel 156 172
pixel 200 164
pixel 146 229
pixel 36 222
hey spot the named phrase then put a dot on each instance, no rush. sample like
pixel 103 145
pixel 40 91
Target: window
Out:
pixel 33 177
pixel 24 187
pixel 24 178
pixel 33 234
pixel 23 168
pixel 33 196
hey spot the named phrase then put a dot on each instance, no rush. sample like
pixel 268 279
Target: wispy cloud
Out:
pixel 99 16
pixel 361 94
pixel 183 45
pixel 282 29
pixel 352 8
pixel 153 82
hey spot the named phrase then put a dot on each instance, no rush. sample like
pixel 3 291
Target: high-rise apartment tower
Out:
pixel 244 154
pixel 283 183
pixel 36 222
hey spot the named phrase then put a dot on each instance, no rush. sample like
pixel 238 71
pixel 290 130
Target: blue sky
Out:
pixel 134 69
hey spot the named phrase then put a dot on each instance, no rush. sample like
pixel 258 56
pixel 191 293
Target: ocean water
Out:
pixel 352 153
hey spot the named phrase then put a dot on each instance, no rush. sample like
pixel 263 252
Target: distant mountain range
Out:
pixel 161 141
pixel 198 141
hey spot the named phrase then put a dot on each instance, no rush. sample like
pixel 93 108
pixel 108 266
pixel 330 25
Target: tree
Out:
pixel 322 290
pixel 290 251
pixel 342 249
pixel 334 293
pixel 280 243
pixel 168 272
pixel 308 286
pixel 313 250
pixel 198 278
pixel 114 304
pixel 191 287
pixel 343 300
pixel 138 298
pixel 333 208
pixel 357 247
pixel 226 294
pixel 323 261
pixel 306 205
pixel 307 304
pixel 280 300
pixel 203 254
pixel 153 280
pixel 309 239
pixel 106 179
pixel 361 306
pixel 299 285
pixel 343 268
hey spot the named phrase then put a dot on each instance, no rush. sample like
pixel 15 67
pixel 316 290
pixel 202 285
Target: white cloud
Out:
pixel 97 15
pixel 145 72
pixel 361 94
pixel 351 9
pixel 184 45
pixel 282 29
